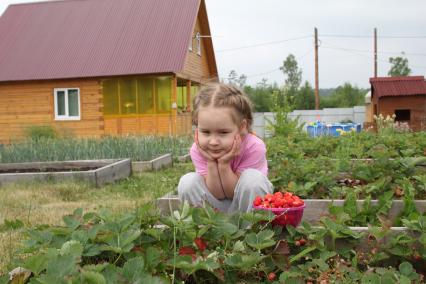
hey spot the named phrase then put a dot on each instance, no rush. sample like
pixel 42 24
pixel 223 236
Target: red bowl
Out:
pixel 285 216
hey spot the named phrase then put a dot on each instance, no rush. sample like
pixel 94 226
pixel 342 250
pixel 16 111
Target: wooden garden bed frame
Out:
pixel 107 171
pixel 315 208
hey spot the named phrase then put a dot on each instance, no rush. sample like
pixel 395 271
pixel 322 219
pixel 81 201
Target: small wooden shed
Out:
pixel 103 67
pixel 403 96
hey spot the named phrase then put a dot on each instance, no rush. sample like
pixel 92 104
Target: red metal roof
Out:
pixel 90 38
pixel 398 86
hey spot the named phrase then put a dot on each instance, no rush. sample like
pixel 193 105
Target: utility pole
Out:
pixel 317 101
pixel 375 52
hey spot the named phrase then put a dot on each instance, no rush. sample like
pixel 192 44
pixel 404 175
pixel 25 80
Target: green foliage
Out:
pixel 293 78
pixel 283 125
pixel 137 148
pixel 39 132
pixel 142 247
pixel 344 96
pixel 305 98
pixel 399 66
pixel 313 167
pixel 261 96
pixel 234 79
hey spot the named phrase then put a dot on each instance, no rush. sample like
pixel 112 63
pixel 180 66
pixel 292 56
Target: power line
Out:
pixel 370 51
pixel 262 44
pixel 279 69
pixel 371 36
pixel 350 51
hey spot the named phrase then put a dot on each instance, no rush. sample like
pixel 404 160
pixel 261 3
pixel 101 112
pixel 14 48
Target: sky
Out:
pixel 253 37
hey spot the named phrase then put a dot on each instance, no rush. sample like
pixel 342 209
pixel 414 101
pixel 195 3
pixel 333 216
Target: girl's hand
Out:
pixel 235 151
pixel 202 151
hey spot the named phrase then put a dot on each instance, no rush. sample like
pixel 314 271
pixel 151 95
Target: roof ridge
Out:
pixel 397 78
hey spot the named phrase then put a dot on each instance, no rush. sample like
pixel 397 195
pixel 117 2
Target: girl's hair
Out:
pixel 222 95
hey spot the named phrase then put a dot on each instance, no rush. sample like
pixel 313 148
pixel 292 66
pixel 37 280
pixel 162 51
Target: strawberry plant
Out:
pixel 199 245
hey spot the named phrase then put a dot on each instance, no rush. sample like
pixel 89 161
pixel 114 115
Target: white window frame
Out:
pixel 66 116
pixel 198 40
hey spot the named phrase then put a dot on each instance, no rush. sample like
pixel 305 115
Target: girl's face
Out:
pixel 217 130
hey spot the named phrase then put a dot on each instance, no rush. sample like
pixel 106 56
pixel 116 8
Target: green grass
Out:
pixel 45 203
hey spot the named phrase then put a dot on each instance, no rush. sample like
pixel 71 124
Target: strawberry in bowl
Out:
pixel 287 207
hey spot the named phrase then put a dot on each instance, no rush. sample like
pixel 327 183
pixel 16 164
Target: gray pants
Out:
pixel 192 188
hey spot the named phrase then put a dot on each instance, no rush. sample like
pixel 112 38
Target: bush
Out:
pixel 37 132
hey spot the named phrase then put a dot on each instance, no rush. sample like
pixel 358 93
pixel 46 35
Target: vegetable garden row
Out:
pixel 200 245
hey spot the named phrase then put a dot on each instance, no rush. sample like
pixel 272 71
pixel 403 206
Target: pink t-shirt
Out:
pixel 252 156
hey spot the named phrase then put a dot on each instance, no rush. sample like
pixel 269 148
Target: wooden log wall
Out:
pixel 26 104
pixel 196 67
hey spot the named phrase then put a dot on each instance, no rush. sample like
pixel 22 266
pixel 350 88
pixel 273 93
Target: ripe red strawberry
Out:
pixel 257 201
pixel 297 203
pixel 269 197
pixel 279 203
pixel 271 276
pixel 278 195
pixel 187 251
pixel 201 244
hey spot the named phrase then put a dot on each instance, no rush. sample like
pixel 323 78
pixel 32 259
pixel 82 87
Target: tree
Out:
pixel 305 98
pixel 345 96
pixel 241 81
pixel 293 77
pixel 234 79
pixel 261 95
pixel 399 66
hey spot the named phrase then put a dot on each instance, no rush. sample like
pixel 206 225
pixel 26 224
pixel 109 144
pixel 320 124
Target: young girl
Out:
pixel 230 161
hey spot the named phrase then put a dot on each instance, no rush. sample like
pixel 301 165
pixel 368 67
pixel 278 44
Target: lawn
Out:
pixel 46 203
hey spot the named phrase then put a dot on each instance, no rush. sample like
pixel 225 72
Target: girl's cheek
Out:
pixel 202 140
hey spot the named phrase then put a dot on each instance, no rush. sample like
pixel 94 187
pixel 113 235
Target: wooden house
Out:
pixel 403 96
pixel 103 67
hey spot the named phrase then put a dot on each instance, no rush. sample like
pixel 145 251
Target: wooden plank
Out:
pixel 141 166
pixel 58 164
pixel 110 173
pixel 88 176
pixel 164 161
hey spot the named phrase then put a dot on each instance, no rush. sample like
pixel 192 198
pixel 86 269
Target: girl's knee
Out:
pixel 253 181
pixel 187 183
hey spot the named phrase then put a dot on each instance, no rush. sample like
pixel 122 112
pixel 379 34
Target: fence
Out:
pixel 328 115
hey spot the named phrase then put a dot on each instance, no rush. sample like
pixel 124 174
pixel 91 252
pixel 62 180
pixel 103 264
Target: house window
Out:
pixel 402 115
pixel 133 96
pixel 67 103
pixel 163 96
pixel 198 40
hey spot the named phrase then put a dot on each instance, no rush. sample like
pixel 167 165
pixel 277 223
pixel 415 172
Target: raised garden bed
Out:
pixel 97 172
pixel 185 158
pixel 156 164
pixel 315 208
